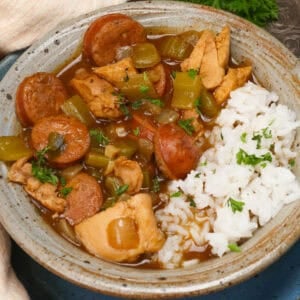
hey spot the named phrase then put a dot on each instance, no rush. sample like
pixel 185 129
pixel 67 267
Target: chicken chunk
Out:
pixel 130 173
pixel 196 122
pixel 117 72
pixel 97 93
pixel 45 193
pixel 235 78
pixel 210 71
pixel 122 232
pixel 223 46
pixel 195 59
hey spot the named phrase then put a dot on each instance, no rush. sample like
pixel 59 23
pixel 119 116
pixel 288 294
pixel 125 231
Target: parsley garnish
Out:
pixel 235 205
pixel 64 192
pixel 243 137
pixel 137 104
pixel 187 126
pixel 41 171
pixel 256 11
pixel 243 158
pixel 203 164
pixel 144 88
pixel 173 74
pixel 176 194
pixel 136 131
pixel 122 104
pixel 292 162
pixel 192 73
pixel 267 135
pixel 157 102
pixel 197 175
pixel 122 189
pixel 257 138
pixel 234 247
pixel 99 137
pixel 156 185
pixel 191 200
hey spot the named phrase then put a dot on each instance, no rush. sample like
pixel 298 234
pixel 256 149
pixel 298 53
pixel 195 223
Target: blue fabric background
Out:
pixel 279 281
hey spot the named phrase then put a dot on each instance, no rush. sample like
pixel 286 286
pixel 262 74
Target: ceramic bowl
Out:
pixel 273 66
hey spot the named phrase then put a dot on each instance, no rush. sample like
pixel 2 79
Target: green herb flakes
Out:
pixel 243 158
pixel 193 73
pixel 187 126
pixel 155 185
pixel 157 102
pixel 64 192
pixel 191 201
pixel 99 136
pixel 235 205
pixel 136 131
pixel 292 162
pixel 122 189
pixel 137 104
pixel 243 137
pixel 176 194
pixel 144 89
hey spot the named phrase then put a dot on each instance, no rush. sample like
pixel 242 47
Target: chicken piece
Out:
pixel 235 78
pixel 210 71
pixel 130 173
pixel 20 171
pixel 223 46
pixel 97 93
pixel 46 194
pixel 158 76
pixel 118 72
pixel 195 59
pixel 122 232
pixel 196 122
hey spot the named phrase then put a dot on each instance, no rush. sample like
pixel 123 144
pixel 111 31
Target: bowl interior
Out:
pixel 273 67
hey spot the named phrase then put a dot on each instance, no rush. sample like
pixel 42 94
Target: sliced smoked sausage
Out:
pixel 84 200
pixel 75 134
pixel 175 152
pixel 107 34
pixel 39 95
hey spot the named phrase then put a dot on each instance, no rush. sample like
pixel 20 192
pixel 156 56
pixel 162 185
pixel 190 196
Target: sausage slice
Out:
pixel 75 133
pixel 175 152
pixel 39 95
pixel 107 34
pixel 84 200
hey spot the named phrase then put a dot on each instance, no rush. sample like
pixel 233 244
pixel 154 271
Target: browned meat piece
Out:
pixel 123 232
pixel 20 171
pixel 130 173
pixel 210 71
pixel 223 46
pixel 234 78
pixel 196 122
pixel 84 200
pixel 195 59
pixel 99 94
pixel 118 72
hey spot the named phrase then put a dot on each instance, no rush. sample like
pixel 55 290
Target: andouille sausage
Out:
pixel 39 95
pixel 107 34
pixel 175 152
pixel 75 133
pixel 84 200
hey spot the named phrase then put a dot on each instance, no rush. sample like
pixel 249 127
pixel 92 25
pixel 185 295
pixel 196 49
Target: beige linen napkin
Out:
pixel 21 23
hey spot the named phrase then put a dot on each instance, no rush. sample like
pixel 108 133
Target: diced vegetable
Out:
pixel 186 90
pixel 55 144
pixel 97 159
pixel 67 231
pixel 145 55
pixel 146 148
pixel 112 185
pixel 13 148
pixel 77 108
pixel 98 138
pixel 127 147
pixel 207 105
pixel 167 116
pixel 71 171
pixel 138 87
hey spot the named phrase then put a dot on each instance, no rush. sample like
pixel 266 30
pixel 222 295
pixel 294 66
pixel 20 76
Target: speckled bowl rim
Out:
pixel 70 263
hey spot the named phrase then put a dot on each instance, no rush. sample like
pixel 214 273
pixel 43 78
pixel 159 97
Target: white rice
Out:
pixel 263 188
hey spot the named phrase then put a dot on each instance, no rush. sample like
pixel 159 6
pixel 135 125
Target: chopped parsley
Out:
pixel 157 102
pixel 234 247
pixel 197 104
pixel 137 104
pixel 64 192
pixel 235 205
pixel 203 164
pixel 243 158
pixel 197 175
pixel 136 131
pixel 292 162
pixel 267 133
pixel 122 189
pixel 41 171
pixel 187 126
pixel 122 104
pixel 193 73
pixel 257 138
pixel 173 74
pixel 155 185
pixel 191 201
pixel 176 194
pixel 243 137
pixel 99 136
pixel 144 88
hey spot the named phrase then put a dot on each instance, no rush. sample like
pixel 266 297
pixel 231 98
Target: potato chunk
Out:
pixel 122 232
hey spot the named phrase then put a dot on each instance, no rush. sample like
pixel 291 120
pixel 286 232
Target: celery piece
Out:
pixel 96 159
pixel 13 148
pixel 145 55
